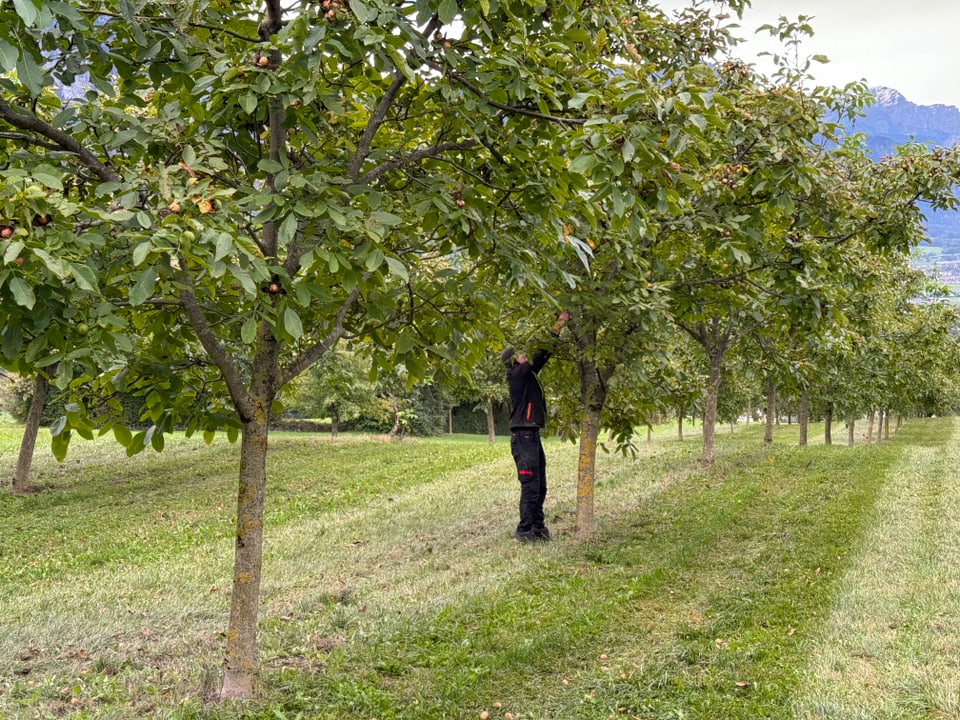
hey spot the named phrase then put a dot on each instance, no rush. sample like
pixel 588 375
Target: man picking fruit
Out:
pixel 527 419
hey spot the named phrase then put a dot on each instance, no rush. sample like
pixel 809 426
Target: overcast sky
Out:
pixel 912 46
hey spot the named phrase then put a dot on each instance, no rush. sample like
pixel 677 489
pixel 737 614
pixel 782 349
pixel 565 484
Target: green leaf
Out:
pixel 8 56
pixel 59 444
pixel 248 102
pixel 405 341
pixel 401 62
pixel 292 324
pixel 138 443
pixel 270 166
pixel 224 246
pixel 27 10
pixel 375 259
pixel 288 229
pixel 364 12
pixel 140 253
pixel 248 331
pixel 583 164
pixel 156 440
pixel 30 74
pixel 22 292
pixel 244 277
pixel 12 341
pixel 398 268
pixel 12 251
pixel 122 435
pixel 84 275
pixel 143 287
pixel 447 11
pixel 388 219
pixel 56 428
pixel 52 263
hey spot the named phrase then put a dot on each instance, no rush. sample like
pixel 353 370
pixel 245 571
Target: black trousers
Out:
pixel 531 463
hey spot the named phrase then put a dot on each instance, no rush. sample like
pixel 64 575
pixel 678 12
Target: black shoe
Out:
pixel 542 534
pixel 527 536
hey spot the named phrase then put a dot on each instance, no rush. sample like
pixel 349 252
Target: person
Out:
pixel 527 418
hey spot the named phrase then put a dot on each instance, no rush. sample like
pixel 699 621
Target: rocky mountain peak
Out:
pixel 888 96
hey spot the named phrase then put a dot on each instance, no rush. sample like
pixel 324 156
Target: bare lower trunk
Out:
pixel 851 424
pixel 395 430
pixel 871 418
pixel 680 426
pixel 240 661
pixel 880 425
pixel 710 410
pixel 491 425
pixel 335 425
pixel 827 422
pixel 886 425
pixel 771 411
pixel 593 394
pixel 803 415
pixel 21 477
pixel 586 473
pixel 450 420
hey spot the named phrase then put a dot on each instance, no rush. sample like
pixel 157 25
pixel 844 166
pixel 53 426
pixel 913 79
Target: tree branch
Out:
pixel 314 353
pixel 31 123
pixel 29 140
pixel 511 109
pixel 216 351
pixel 414 157
pixel 376 120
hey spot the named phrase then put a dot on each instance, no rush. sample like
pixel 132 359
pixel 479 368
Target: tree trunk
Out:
pixel 771 411
pixel 880 426
pixel 450 420
pixel 827 422
pixel 21 477
pixel 586 473
pixel 491 425
pixel 395 430
pixel 335 425
pixel 886 425
pixel 710 408
pixel 240 661
pixel 870 420
pixel 851 424
pixel 803 415
pixel 649 433
pixel 680 426
pixel 593 394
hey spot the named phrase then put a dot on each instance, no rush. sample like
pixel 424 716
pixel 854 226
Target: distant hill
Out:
pixel 893 120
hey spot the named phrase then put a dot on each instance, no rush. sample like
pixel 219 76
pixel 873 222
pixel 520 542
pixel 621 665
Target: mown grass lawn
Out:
pixel 783 582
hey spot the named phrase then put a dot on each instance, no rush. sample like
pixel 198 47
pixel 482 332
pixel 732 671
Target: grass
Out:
pixel 783 582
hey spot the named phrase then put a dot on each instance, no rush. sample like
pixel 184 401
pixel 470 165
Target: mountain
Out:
pixel 893 120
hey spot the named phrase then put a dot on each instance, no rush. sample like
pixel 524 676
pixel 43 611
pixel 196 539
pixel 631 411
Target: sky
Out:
pixel 912 47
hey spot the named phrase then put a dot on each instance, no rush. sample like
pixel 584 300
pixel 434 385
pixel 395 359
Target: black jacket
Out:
pixel 526 394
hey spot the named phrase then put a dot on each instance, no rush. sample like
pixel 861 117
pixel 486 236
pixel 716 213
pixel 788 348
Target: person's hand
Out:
pixel 562 320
